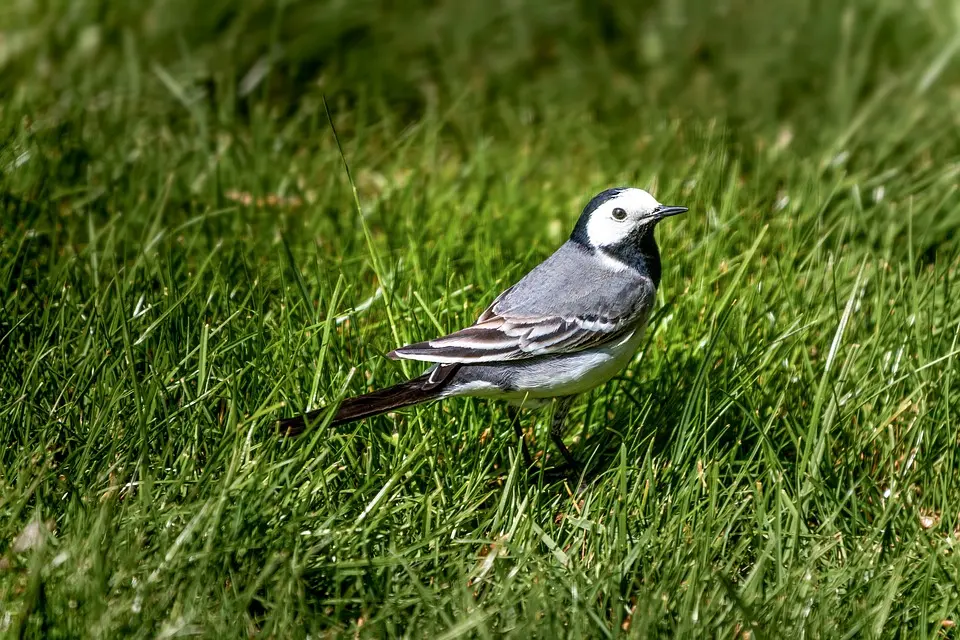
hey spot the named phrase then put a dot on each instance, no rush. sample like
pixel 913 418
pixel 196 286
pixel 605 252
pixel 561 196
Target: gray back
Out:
pixel 575 282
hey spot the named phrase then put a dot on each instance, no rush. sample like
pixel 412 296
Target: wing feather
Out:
pixel 564 305
pixel 498 339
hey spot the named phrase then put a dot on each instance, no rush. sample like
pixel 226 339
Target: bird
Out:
pixel 568 326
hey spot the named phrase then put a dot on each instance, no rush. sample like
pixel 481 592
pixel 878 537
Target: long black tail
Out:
pixel 430 386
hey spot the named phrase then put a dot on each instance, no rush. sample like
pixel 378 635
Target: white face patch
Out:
pixel 604 229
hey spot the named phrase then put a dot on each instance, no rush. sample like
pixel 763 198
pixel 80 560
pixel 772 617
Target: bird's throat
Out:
pixel 639 252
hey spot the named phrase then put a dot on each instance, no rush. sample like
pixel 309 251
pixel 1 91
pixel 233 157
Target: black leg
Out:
pixel 556 428
pixel 514 414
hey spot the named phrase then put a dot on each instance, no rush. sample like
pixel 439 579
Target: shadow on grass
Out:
pixel 661 403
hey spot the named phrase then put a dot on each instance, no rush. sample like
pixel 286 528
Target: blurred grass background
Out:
pixel 182 262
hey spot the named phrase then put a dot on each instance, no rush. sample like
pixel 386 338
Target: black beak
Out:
pixel 664 211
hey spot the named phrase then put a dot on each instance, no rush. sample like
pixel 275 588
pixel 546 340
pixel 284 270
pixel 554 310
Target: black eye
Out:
pixel 619 214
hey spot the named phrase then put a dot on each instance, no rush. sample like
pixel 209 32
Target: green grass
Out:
pixel 182 262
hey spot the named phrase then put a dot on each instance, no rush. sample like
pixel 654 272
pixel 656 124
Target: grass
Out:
pixel 183 261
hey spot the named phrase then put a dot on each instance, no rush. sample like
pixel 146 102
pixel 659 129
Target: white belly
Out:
pixel 565 375
pixel 578 372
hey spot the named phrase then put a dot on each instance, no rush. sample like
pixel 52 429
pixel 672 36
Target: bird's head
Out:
pixel 617 216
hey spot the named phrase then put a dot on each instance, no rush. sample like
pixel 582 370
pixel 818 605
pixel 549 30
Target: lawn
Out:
pixel 183 260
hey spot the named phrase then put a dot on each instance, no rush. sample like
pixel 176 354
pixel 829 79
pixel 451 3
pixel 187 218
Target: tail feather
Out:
pixel 416 391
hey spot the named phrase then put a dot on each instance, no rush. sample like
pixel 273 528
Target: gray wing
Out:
pixel 570 302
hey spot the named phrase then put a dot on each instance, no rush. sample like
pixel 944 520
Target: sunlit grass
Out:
pixel 183 262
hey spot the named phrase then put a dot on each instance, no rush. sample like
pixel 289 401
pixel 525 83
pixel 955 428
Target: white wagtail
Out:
pixel 569 325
